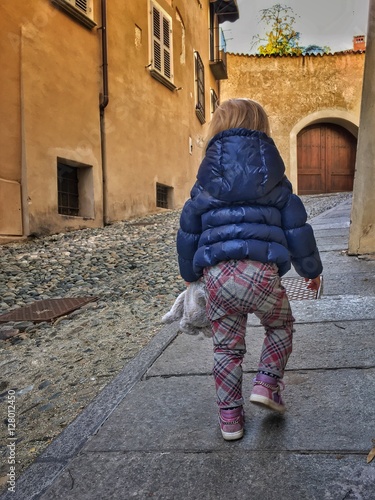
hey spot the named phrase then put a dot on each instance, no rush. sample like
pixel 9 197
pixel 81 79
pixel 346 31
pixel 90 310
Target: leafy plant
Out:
pixel 282 38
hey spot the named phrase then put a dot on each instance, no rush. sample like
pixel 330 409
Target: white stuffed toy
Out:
pixel 190 309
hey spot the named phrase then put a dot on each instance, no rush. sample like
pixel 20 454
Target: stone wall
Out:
pixel 297 91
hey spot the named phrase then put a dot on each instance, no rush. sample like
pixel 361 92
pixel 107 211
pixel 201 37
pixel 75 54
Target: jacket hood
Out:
pixel 240 165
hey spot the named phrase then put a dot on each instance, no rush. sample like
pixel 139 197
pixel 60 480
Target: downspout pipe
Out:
pixel 104 98
pixel 103 103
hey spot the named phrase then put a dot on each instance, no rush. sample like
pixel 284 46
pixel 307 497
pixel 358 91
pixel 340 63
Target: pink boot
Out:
pixel 266 392
pixel 232 423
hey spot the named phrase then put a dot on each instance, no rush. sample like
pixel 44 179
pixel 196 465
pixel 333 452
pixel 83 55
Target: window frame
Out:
pixel 214 101
pixel 200 106
pixel 161 45
pixel 84 192
pixel 164 196
pixel 85 18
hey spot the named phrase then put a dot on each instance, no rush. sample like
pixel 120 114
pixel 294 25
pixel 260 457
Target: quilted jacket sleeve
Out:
pixel 187 241
pixel 300 238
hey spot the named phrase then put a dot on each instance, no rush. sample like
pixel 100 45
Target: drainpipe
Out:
pixel 103 103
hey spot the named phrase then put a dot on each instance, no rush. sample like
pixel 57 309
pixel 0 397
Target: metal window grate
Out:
pixel 68 197
pixel 162 196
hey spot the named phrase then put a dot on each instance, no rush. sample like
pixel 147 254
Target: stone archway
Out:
pixel 342 119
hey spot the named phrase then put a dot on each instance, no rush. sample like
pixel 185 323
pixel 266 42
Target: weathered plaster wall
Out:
pixel 148 125
pixel 10 120
pixel 298 91
pixel 362 229
pixel 51 84
pixel 56 100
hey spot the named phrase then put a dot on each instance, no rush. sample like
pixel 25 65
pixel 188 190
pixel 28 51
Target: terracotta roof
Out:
pixel 342 52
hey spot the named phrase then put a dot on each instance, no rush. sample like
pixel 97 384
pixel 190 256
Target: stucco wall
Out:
pixel 148 125
pixel 298 91
pixel 51 85
pixel 10 126
pixel 54 103
pixel 362 229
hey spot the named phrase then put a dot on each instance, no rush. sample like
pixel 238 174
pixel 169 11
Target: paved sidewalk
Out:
pixel 153 431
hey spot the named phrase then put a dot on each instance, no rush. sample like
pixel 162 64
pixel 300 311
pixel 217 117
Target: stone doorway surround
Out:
pixel 343 118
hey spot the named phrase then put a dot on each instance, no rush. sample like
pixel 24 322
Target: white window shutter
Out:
pixel 156 18
pixel 167 47
pixel 80 9
pixel 83 5
pixel 161 43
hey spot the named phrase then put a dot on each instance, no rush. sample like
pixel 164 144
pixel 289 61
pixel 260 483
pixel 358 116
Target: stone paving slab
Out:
pixel 331 308
pixel 343 209
pixel 179 413
pixel 338 261
pixel 322 345
pixel 362 284
pixel 330 224
pixel 327 233
pixel 231 474
pixel 332 243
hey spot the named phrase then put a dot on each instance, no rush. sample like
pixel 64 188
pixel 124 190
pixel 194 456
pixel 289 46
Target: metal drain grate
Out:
pixel 297 289
pixel 46 310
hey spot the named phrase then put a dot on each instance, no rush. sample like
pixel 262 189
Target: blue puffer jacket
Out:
pixel 242 207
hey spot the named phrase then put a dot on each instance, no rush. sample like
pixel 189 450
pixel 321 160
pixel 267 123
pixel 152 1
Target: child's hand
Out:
pixel 314 284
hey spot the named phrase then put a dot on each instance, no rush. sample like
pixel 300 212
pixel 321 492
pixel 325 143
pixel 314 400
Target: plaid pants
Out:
pixel 234 289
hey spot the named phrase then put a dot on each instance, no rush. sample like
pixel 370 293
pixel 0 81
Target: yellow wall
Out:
pixel 148 125
pixel 298 91
pixel 362 228
pixel 57 82
pixel 10 126
pixel 50 90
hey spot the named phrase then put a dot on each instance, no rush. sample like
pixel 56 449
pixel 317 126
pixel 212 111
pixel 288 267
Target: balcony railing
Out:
pixel 218 54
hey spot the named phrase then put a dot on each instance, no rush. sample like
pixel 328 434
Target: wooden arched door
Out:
pixel 326 159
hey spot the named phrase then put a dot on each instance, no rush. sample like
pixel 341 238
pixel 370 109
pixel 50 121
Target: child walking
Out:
pixel 240 231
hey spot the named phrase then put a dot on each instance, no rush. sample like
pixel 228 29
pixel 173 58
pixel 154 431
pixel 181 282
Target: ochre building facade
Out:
pixel 314 107
pixel 104 107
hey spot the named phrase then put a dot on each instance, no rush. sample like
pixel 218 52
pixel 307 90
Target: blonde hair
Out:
pixel 238 113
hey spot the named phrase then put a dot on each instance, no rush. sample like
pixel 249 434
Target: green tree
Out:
pixel 282 38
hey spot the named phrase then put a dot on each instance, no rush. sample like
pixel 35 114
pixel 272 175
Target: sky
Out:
pixel 320 22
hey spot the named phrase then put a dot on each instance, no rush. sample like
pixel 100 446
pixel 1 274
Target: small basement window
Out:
pixel 75 189
pixel 163 196
pixel 68 190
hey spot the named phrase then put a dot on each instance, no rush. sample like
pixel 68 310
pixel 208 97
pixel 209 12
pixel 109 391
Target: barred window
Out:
pixel 164 196
pixel 75 189
pixel 68 199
